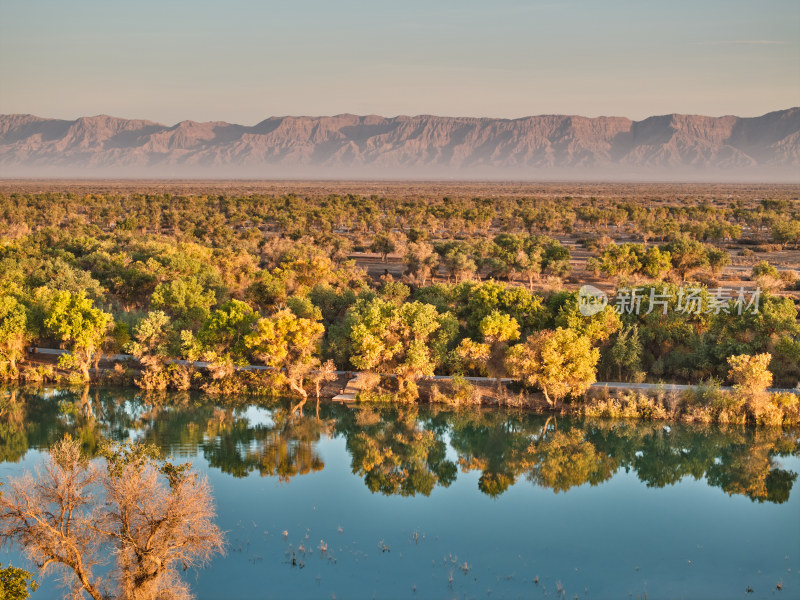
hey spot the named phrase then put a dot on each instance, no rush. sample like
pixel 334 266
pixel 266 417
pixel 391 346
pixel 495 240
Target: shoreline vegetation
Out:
pixel 707 402
pixel 423 284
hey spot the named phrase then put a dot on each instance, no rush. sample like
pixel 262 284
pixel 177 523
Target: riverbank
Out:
pixel 703 403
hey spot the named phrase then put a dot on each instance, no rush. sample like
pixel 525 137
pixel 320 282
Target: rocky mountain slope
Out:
pixel 548 146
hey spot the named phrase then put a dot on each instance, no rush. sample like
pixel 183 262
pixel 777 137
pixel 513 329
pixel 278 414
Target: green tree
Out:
pixel 786 362
pixel 786 231
pixel 620 261
pixel 503 251
pixel 400 340
pixel 626 351
pixel 718 259
pixel 225 330
pixel 13 335
pixel 384 245
pixel 394 291
pixel 475 301
pixel 154 338
pixel 673 322
pixel 762 269
pixel 15 583
pixel 457 260
pixel 73 318
pixel 421 261
pixel 529 262
pixel 512 255
pixel 269 289
pixel 767 276
pixel 597 327
pixel 750 373
pixel 687 255
pixel 184 299
pixel 773 329
pixel 656 263
pixel 555 259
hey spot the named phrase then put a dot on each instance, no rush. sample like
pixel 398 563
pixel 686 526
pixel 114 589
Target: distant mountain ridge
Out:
pixel 668 147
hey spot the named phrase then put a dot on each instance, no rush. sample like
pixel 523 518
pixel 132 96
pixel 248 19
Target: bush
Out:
pixel 708 392
pixel 462 393
pixel 39 374
pixel 789 405
pixel 698 414
pixel 380 397
pixel 768 414
pixel 628 406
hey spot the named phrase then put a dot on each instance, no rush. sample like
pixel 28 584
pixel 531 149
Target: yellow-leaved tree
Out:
pixel 751 378
pixel 290 345
pixel 750 373
pixel 560 362
pixel 497 329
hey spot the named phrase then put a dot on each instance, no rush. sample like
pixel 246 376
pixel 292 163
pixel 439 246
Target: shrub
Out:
pixel 628 406
pixel 462 392
pixel 750 373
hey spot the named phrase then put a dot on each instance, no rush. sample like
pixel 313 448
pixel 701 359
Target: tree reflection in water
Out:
pixel 498 445
pixel 394 452
pixel 284 448
pixel 402 450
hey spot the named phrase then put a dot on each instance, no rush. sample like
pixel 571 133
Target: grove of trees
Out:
pixel 280 281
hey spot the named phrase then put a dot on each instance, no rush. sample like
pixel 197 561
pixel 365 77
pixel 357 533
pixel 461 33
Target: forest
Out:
pixel 460 281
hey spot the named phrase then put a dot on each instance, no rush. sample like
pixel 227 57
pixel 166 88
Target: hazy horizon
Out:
pixel 662 148
pixel 350 113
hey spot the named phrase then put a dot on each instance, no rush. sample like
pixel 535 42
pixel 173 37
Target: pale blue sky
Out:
pixel 238 61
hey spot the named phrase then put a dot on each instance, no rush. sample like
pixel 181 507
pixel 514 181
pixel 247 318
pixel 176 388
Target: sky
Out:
pixel 237 61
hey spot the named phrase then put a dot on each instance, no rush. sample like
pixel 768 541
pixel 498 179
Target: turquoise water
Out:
pixel 445 504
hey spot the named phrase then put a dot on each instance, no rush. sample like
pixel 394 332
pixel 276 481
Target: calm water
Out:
pixel 443 504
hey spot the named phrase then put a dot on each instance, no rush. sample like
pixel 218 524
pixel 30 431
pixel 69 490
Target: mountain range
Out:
pixel 668 147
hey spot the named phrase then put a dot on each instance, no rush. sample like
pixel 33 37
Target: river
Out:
pixel 432 503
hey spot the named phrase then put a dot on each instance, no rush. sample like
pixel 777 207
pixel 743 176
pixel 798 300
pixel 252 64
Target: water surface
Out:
pixel 431 503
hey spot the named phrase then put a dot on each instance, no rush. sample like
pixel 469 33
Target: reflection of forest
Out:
pixel 403 450
pixel 394 452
